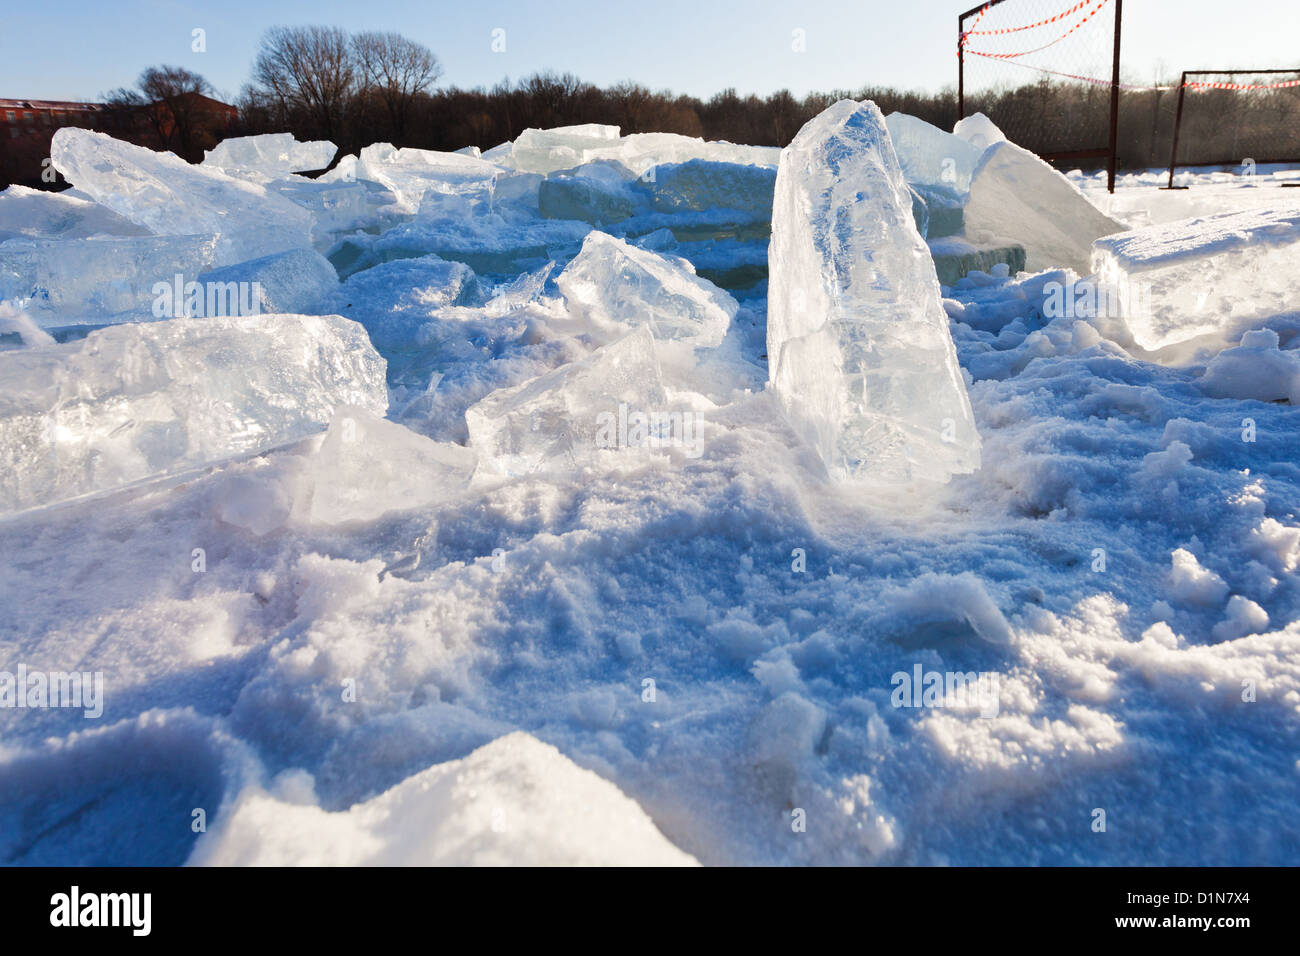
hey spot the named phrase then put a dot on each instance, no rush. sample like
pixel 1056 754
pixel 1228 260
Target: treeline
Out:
pixel 357 89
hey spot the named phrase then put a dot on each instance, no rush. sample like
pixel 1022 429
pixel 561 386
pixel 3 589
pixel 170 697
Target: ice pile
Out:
pixel 618 287
pixel 169 197
pixel 1017 197
pixel 293 282
pixel 430 182
pixel 137 401
pixel 600 193
pixel 99 280
pixel 566 418
pixel 271 154
pixel 1211 274
pixel 513 802
pixel 857 339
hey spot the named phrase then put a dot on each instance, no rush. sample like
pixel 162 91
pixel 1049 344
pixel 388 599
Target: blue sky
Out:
pixel 75 49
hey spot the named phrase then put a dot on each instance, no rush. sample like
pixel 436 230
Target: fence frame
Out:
pixel 1110 152
pixel 1178 120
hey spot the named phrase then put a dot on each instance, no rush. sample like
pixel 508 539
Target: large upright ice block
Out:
pixel 130 402
pixel 1180 280
pixel 1017 197
pixel 857 340
pixel 168 196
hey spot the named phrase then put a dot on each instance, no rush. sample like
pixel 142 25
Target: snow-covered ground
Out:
pixel 349 649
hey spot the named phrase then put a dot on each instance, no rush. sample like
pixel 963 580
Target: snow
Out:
pixel 978 130
pixel 618 287
pixel 169 197
pixel 1016 196
pixel 393 622
pixel 1203 276
pixel 858 344
pixel 142 401
pixel 513 802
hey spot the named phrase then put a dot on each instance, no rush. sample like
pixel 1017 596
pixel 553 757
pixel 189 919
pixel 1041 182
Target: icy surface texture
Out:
pixel 362 468
pixel 857 339
pixel 131 402
pixel 618 287
pixel 509 803
pixel 699 185
pixel 929 156
pixel 292 282
pixel 335 206
pixel 561 420
pixel 420 286
pixel 170 197
pixel 276 154
pixel 600 193
pixel 430 182
pixel 1180 280
pixel 93 281
pixel 38 214
pixel 978 130
pixel 1016 196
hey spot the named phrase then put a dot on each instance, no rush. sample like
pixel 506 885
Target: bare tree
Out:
pixel 311 70
pixel 176 111
pixel 395 70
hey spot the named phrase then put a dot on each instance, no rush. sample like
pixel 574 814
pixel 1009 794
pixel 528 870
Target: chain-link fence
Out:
pixel 1046 72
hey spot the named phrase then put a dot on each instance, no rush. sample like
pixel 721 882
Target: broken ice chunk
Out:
pixel 1213 274
pixel 100 280
pixel 38 214
pixel 548 150
pixel 857 339
pixel 929 156
pixel 168 196
pixel 1016 197
pixel 565 418
pixel 136 401
pixel 617 286
pixel 291 282
pixel 700 185
pixel 430 182
pixel 274 154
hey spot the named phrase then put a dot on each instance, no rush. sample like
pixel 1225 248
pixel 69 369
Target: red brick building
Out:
pixel 26 127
